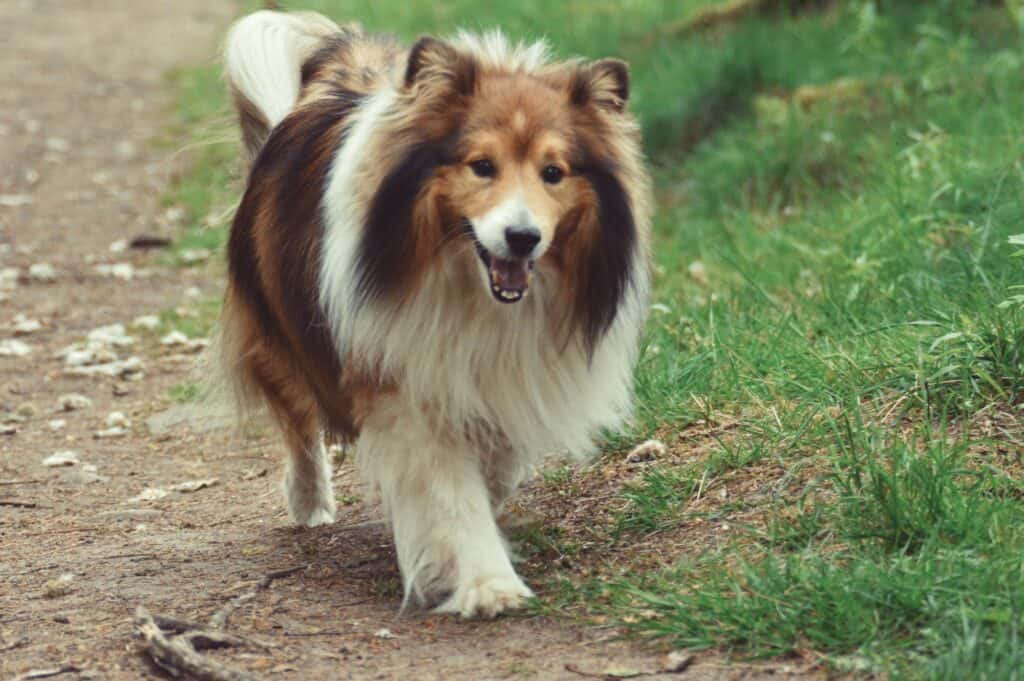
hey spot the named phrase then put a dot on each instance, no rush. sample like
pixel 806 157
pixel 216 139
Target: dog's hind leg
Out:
pixel 436 498
pixel 307 482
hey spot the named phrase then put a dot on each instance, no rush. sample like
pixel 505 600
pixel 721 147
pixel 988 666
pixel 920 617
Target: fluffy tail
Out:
pixel 263 57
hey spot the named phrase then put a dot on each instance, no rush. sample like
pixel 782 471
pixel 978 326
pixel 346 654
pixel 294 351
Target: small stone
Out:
pixel 194 485
pixel 119 246
pixel 42 271
pixel 56 424
pixel 148 322
pixel 8 429
pixel 130 369
pixel 174 338
pixel 59 459
pixel 383 633
pixel 61 586
pixel 698 272
pixel 677 662
pixel 57 144
pixel 191 256
pixel 110 433
pixel 193 292
pixel 23 326
pixel 14 348
pixel 120 270
pixel 9 278
pixel 647 451
pixel 27 410
pixel 73 402
pixel 149 494
pixel 110 335
pixel 117 419
pixel 14 200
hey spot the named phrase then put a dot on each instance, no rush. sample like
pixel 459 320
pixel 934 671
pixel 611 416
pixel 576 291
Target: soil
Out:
pixel 85 95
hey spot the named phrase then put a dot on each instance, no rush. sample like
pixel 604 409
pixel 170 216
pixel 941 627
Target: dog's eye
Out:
pixel 552 174
pixel 483 168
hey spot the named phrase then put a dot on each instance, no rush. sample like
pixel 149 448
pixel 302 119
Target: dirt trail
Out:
pixel 84 94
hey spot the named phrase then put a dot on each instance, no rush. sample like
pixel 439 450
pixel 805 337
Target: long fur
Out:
pixel 357 308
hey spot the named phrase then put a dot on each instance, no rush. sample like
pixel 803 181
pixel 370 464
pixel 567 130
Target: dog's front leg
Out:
pixel 436 498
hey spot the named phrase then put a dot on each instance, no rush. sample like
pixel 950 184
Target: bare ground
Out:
pixel 84 95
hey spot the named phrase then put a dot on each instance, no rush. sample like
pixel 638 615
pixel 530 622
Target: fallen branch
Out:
pixel 174 644
pixel 177 655
pixel 14 645
pixel 47 673
pixel 18 504
pixel 220 618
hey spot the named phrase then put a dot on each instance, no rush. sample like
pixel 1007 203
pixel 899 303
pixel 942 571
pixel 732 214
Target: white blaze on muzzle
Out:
pixel 508 272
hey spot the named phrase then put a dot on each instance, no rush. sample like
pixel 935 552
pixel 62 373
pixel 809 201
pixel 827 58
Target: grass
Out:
pixel 836 190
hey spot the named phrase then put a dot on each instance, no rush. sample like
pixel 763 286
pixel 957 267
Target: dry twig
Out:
pixel 174 644
pixel 177 655
pixel 220 618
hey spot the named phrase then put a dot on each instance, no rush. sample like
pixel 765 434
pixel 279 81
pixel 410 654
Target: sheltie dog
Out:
pixel 441 256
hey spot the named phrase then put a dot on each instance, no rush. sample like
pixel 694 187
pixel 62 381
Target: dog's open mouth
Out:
pixel 508 279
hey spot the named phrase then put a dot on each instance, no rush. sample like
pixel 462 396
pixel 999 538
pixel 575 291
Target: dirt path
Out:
pixel 84 93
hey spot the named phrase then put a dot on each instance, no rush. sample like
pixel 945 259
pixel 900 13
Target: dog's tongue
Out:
pixel 510 275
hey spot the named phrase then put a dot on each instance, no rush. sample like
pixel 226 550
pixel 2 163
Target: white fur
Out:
pixel 493 50
pixel 307 487
pixel 344 216
pixel 490 227
pixel 437 500
pixel 263 57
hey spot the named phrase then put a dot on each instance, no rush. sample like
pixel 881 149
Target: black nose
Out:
pixel 521 240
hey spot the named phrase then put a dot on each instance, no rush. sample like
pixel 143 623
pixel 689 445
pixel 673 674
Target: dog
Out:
pixel 441 256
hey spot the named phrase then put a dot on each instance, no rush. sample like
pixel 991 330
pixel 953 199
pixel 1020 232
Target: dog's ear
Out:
pixel 603 83
pixel 433 62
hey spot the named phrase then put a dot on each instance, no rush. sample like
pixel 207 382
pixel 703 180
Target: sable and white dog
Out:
pixel 441 255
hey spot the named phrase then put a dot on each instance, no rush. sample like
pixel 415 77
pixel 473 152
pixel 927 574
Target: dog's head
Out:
pixel 518 165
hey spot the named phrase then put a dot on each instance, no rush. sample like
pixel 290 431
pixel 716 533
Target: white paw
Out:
pixel 311 512
pixel 487 596
pixel 315 518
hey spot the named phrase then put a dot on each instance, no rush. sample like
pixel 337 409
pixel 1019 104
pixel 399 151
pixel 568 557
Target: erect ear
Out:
pixel 433 61
pixel 603 83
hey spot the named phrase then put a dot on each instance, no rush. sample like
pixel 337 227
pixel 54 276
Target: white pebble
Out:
pixel 14 348
pixel 110 433
pixel 9 278
pixel 149 494
pixel 56 424
pixel 73 402
pixel 149 321
pixel 119 246
pixel 174 338
pixel 110 335
pixel 190 256
pixel 117 419
pixel 42 271
pixel 23 326
pixel 120 270
pixel 62 458
pixel 14 200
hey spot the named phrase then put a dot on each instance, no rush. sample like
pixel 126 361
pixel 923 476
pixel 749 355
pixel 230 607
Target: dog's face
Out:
pixel 515 181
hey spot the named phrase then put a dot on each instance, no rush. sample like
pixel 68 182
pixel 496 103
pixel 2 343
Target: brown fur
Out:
pixel 276 336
